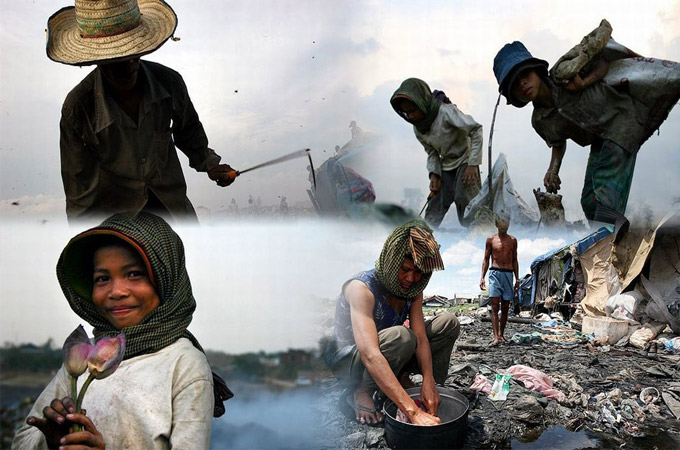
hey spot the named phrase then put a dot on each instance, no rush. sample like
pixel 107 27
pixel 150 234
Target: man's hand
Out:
pixel 223 174
pixel 552 182
pixel 54 424
pixel 425 419
pixel 90 438
pixel 471 176
pixel 435 183
pixel 516 286
pixel 575 84
pixel 482 284
pixel 430 396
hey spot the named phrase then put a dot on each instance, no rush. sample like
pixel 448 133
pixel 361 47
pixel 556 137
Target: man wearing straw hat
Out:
pixel 120 125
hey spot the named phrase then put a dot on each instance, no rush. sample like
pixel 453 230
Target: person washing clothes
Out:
pixel 372 351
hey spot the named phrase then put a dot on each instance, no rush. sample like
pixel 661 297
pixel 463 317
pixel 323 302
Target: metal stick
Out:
pixel 311 165
pixel 493 122
pixel 429 198
pixel 289 156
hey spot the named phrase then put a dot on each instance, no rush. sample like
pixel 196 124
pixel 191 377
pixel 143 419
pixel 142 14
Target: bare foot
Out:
pixel 495 342
pixel 364 407
pixel 405 380
pixel 505 341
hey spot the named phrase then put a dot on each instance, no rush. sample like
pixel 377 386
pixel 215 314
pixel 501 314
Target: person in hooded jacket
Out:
pixel 453 143
pixel 128 276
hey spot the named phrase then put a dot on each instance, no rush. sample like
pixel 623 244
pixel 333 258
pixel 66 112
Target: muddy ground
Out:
pixel 602 385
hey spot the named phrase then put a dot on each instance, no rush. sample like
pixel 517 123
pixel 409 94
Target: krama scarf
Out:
pixel 162 251
pixel 413 239
pixel 419 93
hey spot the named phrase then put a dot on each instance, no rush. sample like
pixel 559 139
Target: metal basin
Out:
pixel 453 412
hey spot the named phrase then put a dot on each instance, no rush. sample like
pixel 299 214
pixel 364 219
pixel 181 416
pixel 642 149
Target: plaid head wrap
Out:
pixel 413 239
pixel 162 251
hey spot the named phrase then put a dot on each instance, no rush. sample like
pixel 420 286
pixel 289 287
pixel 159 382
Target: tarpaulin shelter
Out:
pixel 557 276
pixel 651 255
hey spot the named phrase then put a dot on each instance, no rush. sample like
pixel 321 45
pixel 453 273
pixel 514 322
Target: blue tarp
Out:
pixel 590 240
pixel 581 246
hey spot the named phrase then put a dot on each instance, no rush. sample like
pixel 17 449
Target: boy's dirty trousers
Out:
pixel 452 190
pixel 609 176
pixel 398 346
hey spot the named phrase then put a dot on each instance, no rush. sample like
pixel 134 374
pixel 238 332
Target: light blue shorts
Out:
pixel 500 284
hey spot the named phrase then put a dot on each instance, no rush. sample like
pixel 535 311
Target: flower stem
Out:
pixel 79 400
pixel 74 395
pixel 74 388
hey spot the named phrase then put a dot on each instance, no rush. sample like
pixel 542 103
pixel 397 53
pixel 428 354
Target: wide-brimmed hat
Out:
pixel 509 62
pixel 95 31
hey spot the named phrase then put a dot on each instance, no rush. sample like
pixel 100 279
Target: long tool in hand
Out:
pixel 429 197
pixel 296 154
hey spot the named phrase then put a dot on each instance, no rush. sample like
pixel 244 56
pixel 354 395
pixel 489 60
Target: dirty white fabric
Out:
pixel 160 400
pixel 454 139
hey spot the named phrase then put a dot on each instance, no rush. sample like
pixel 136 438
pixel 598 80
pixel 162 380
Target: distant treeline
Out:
pixel 286 365
pixel 29 358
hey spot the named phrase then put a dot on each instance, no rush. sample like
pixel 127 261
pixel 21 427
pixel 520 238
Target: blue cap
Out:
pixel 509 61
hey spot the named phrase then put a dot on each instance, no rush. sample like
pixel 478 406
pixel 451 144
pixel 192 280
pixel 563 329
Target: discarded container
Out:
pixel 614 329
pixel 649 395
pixel 453 412
pixel 501 387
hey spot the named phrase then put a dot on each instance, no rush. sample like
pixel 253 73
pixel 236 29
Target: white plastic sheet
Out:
pixel 506 200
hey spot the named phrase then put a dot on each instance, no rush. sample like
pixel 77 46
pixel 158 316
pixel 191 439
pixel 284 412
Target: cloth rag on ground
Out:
pixel 481 384
pixel 536 380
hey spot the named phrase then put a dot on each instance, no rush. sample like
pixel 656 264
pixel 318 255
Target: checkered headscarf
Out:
pixel 162 252
pixel 412 239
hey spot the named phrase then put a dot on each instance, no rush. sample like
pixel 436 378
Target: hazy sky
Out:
pixel 270 77
pixel 257 285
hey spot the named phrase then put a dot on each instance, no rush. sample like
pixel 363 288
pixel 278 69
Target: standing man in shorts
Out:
pixel 502 248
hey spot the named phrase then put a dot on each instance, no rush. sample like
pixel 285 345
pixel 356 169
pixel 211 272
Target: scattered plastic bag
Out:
pixel 672 344
pixel 501 387
pixel 623 306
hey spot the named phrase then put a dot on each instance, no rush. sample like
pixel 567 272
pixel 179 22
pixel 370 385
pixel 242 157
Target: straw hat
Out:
pixel 95 31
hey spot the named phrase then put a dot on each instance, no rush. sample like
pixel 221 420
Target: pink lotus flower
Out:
pixel 101 359
pixel 76 351
pixel 106 356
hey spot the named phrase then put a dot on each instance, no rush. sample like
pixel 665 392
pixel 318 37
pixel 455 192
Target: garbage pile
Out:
pixel 554 376
pixel 562 377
